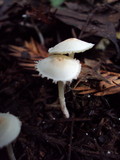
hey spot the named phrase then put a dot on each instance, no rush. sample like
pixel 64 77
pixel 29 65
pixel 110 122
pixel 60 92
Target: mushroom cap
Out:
pixel 10 127
pixel 59 68
pixel 71 45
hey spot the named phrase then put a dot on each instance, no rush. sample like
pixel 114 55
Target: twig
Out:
pixel 38 32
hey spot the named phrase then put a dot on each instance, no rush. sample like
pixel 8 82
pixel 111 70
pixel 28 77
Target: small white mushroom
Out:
pixel 10 127
pixel 59 68
pixel 70 46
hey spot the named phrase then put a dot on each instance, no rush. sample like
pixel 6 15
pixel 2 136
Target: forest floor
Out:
pixel 27 30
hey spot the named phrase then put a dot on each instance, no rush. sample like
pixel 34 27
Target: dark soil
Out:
pixel 93 130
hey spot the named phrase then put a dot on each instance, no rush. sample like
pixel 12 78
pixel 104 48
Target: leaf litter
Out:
pixel 93 130
pixel 99 21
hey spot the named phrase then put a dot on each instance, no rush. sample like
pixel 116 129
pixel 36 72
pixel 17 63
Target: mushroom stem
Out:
pixel 10 152
pixel 62 99
pixel 72 55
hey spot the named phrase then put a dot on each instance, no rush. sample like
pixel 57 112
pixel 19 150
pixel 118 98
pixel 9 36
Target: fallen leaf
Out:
pixel 90 70
pixel 29 53
pixel 92 21
pixel 109 83
pixel 110 1
pixel 108 91
pixel 41 13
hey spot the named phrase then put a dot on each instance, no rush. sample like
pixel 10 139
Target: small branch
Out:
pixel 38 32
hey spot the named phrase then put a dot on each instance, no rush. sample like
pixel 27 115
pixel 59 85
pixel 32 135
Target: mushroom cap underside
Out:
pixel 59 68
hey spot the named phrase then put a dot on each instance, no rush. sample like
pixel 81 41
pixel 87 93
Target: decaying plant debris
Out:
pixel 27 30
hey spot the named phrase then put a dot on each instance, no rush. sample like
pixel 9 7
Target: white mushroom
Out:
pixel 70 46
pixel 10 127
pixel 60 69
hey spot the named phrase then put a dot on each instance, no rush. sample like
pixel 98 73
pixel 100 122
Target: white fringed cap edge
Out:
pixel 10 127
pixel 69 46
pixel 59 68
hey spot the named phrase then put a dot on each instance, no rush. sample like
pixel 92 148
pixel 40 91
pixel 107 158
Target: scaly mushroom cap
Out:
pixel 71 45
pixel 9 128
pixel 59 68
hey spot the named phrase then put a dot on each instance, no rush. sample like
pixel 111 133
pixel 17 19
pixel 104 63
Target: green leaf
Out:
pixel 56 3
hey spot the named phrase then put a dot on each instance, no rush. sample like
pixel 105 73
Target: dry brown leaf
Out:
pixel 91 70
pixel 41 13
pixel 109 84
pixel 108 91
pixel 92 21
pixel 31 50
pixel 113 80
pixel 88 92
pixel 82 88
pixel 111 1
pixel 29 53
